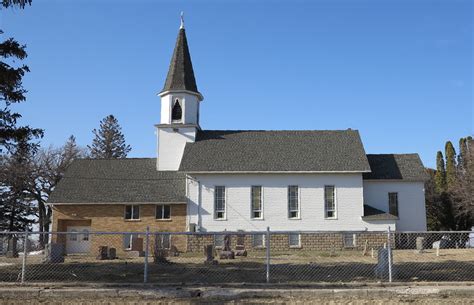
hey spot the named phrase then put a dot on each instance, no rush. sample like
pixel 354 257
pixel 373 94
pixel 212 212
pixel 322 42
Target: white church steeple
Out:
pixel 180 101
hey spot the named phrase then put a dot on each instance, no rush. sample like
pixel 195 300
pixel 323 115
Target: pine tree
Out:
pixel 109 142
pixel 450 165
pixel 440 175
pixel 11 88
pixel 16 207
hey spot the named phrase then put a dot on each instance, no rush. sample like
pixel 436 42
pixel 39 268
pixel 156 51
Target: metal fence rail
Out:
pixel 237 257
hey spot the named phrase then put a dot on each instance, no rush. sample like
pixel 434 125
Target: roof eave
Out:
pixel 380 217
pixel 275 172
pixel 115 203
pixel 165 92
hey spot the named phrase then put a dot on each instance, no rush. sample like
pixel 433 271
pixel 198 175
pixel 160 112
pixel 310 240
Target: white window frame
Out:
pixel 353 238
pixel 252 210
pixel 162 212
pixel 334 210
pixel 258 245
pixel 299 240
pixel 219 241
pixel 130 237
pixel 73 235
pixel 132 214
pixel 298 210
pixel 85 235
pixel 397 206
pixel 162 237
pixel 224 210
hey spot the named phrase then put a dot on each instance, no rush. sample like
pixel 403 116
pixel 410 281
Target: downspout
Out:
pixel 199 197
pixel 199 206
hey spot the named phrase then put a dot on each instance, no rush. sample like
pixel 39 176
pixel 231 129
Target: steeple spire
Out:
pixel 180 74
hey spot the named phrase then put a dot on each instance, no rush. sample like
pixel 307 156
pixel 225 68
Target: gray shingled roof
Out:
pixel 396 167
pixel 371 213
pixel 180 73
pixel 275 151
pixel 118 180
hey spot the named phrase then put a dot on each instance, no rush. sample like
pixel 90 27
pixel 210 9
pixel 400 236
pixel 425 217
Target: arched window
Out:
pixel 177 112
pixel 73 235
pixel 85 235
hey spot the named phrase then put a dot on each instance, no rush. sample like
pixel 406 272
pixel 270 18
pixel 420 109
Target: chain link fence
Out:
pixel 294 257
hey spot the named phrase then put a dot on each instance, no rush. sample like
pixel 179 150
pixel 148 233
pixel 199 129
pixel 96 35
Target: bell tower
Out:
pixel 180 101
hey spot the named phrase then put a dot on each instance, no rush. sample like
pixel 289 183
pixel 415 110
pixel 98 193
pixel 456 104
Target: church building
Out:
pixel 237 180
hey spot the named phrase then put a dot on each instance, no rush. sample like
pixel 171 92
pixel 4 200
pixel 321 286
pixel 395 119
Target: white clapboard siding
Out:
pixel 349 198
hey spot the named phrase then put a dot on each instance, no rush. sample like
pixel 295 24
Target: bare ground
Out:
pixel 291 267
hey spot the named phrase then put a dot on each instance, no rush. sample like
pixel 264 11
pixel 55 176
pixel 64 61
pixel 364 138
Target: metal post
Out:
pixel 389 251
pixel 147 243
pixel 267 245
pixel 25 251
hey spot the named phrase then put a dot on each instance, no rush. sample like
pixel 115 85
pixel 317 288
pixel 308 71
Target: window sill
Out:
pixel 164 220
pixel 296 218
pixel 132 220
pixel 258 219
pixel 330 218
pixel 220 219
pixel 295 247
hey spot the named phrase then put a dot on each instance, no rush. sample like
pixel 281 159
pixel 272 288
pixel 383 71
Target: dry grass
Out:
pixel 286 267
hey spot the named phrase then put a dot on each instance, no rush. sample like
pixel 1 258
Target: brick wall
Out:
pixel 110 218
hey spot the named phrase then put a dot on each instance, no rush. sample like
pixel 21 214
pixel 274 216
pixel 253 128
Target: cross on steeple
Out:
pixel 182 21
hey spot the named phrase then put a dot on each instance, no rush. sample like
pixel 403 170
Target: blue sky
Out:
pixel 398 71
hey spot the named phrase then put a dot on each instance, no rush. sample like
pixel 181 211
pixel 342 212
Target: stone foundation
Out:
pixel 308 241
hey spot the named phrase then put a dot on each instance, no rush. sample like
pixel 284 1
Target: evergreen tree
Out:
pixel 440 175
pixel 17 3
pixel 450 165
pixel 463 156
pixel 16 209
pixel 109 142
pixel 11 88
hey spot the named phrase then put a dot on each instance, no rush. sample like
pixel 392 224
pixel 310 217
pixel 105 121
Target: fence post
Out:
pixel 147 244
pixel 25 251
pixel 389 251
pixel 267 246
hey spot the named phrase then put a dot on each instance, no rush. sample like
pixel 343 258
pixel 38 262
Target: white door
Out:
pixel 79 240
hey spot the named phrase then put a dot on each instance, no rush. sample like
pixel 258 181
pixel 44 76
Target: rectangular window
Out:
pixel 349 240
pixel 163 211
pixel 219 202
pixel 128 240
pixel 293 203
pixel 257 212
pixel 219 241
pixel 393 203
pixel 259 241
pixel 294 240
pixel 164 241
pixel 329 201
pixel 132 212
